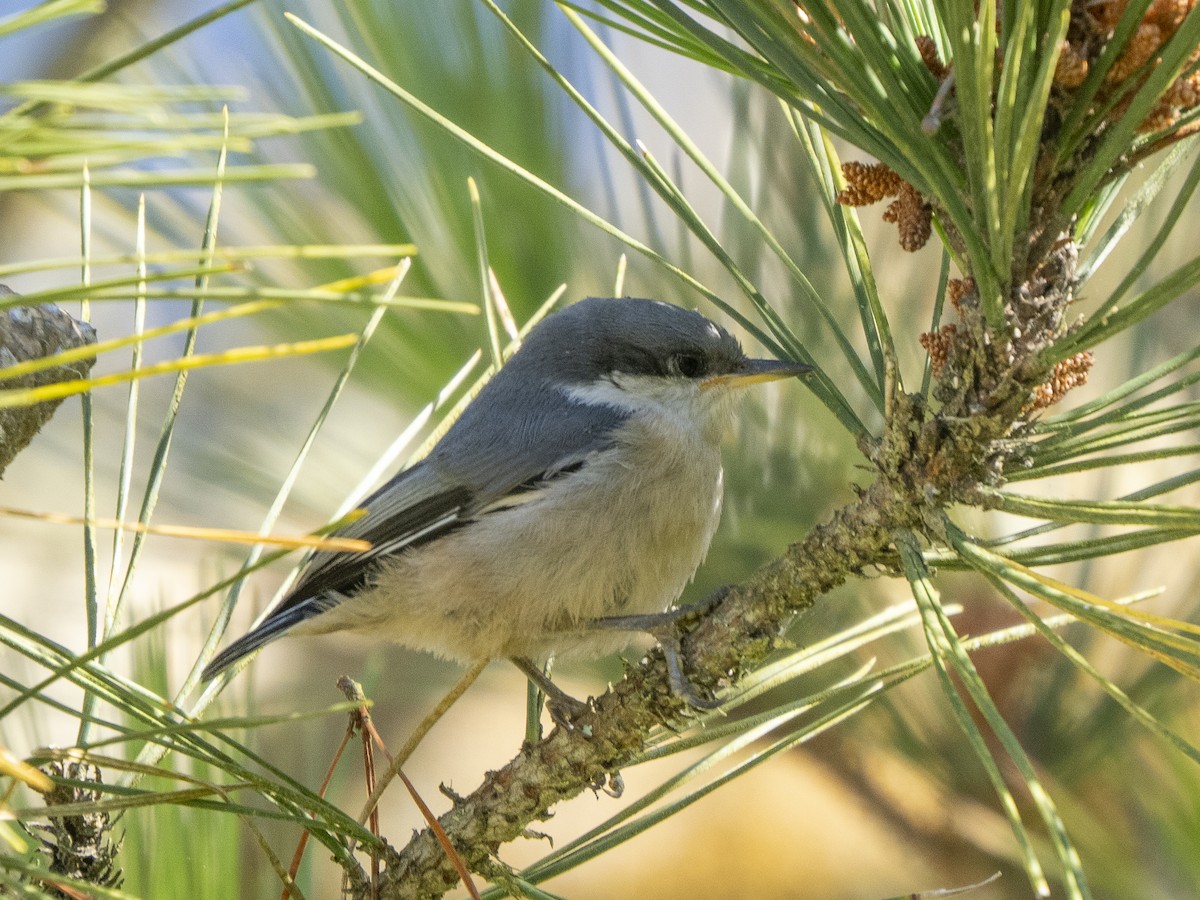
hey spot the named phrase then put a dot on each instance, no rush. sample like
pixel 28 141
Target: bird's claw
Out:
pixel 565 710
pixel 681 685
pixel 663 628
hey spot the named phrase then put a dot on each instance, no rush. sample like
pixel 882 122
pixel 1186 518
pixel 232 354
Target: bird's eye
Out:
pixel 689 365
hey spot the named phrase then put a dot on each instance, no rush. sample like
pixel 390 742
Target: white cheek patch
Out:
pixel 673 404
pixel 602 393
pixel 640 393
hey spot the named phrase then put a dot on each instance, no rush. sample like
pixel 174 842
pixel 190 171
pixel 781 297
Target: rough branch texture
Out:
pixel 924 463
pixel 31 332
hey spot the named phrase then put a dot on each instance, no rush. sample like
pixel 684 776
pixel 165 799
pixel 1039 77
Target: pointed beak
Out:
pixel 756 371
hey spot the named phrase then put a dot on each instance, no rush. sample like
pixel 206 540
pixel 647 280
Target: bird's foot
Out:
pixel 663 628
pixel 681 685
pixel 564 709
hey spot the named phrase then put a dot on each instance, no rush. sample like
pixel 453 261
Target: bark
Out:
pixel 31 332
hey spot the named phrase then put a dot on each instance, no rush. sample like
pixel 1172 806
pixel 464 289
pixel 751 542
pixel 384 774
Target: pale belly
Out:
pixel 528 580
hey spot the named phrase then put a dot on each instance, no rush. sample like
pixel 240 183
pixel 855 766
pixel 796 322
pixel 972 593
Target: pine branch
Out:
pixel 925 462
pixel 27 333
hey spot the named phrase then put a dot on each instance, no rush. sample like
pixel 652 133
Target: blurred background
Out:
pixel 892 801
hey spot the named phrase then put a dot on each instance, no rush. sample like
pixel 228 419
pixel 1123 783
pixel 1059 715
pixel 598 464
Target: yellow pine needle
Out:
pixel 345 285
pixel 1179 666
pixel 29 396
pixel 57 359
pixel 266 251
pixel 354 282
pixel 1111 605
pixel 88 289
pixel 223 535
pixel 1162 626
pixel 22 771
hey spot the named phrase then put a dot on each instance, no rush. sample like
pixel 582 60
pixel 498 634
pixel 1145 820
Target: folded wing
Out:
pixel 483 464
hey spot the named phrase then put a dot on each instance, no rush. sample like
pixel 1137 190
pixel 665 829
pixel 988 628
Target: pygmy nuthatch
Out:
pixel 582 483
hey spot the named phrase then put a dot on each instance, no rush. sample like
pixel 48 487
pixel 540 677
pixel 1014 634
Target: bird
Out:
pixel 581 486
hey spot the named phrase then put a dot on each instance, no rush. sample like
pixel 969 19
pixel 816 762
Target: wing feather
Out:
pixel 501 451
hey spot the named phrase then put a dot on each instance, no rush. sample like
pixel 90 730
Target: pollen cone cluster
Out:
pixel 868 183
pixel 1094 26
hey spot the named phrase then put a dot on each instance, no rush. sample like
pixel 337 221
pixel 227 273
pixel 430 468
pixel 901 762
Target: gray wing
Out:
pixel 412 508
pixel 487 458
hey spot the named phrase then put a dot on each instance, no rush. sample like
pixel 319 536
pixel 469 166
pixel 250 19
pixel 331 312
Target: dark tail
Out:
pixel 273 627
